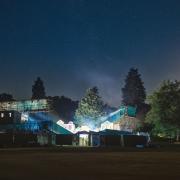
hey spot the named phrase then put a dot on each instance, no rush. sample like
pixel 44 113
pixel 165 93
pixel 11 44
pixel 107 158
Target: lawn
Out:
pixel 51 164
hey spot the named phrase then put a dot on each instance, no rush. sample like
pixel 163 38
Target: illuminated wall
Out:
pixel 24 106
pixel 123 119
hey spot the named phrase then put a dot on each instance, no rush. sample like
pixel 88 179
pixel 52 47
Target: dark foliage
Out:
pixel 38 89
pixel 165 106
pixel 64 107
pixel 6 97
pixel 133 93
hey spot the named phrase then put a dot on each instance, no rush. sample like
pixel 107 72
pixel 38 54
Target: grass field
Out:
pixel 29 164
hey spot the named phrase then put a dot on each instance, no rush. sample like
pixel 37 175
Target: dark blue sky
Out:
pixel 76 44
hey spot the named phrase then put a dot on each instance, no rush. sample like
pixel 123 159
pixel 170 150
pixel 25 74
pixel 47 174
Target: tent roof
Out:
pixel 114 132
pixel 59 129
pixel 121 112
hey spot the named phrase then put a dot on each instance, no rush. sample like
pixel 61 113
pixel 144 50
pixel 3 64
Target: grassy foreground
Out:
pixel 42 164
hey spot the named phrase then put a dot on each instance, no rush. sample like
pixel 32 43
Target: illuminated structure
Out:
pixel 26 106
pixel 9 117
pixel 69 126
pixel 22 120
pixel 30 116
pixel 35 115
pixel 112 130
pixel 18 115
pixel 18 112
pixel 124 119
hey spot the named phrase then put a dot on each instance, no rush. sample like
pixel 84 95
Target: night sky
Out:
pixel 76 44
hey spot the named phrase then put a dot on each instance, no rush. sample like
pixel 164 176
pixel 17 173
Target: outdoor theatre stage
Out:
pixel 37 118
pixel 32 116
pixel 37 112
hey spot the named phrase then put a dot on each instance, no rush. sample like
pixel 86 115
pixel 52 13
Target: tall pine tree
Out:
pixel 90 108
pixel 38 89
pixel 133 93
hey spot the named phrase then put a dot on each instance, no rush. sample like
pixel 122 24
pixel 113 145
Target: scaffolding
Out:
pixel 26 106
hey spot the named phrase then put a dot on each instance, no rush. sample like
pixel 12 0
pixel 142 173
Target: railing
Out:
pixel 26 106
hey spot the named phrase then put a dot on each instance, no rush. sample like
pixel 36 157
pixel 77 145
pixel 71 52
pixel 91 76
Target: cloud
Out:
pixel 108 86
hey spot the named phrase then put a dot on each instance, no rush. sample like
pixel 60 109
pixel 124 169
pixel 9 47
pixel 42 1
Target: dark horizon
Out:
pixel 74 45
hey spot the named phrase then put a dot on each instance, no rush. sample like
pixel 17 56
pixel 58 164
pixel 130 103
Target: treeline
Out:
pixel 159 113
pixel 91 106
pixel 164 116
pixel 63 107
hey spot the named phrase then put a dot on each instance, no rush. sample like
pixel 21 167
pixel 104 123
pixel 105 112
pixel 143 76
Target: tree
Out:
pixel 133 93
pixel 6 97
pixel 165 108
pixel 64 107
pixel 38 90
pixel 90 108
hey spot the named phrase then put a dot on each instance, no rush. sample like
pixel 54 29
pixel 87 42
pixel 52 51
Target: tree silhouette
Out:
pixel 64 107
pixel 38 90
pixel 6 97
pixel 133 93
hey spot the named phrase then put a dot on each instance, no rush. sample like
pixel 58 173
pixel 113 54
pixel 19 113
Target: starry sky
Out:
pixel 76 44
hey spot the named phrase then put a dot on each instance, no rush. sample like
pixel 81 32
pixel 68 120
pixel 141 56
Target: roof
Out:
pixel 59 129
pixel 121 112
pixel 114 132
